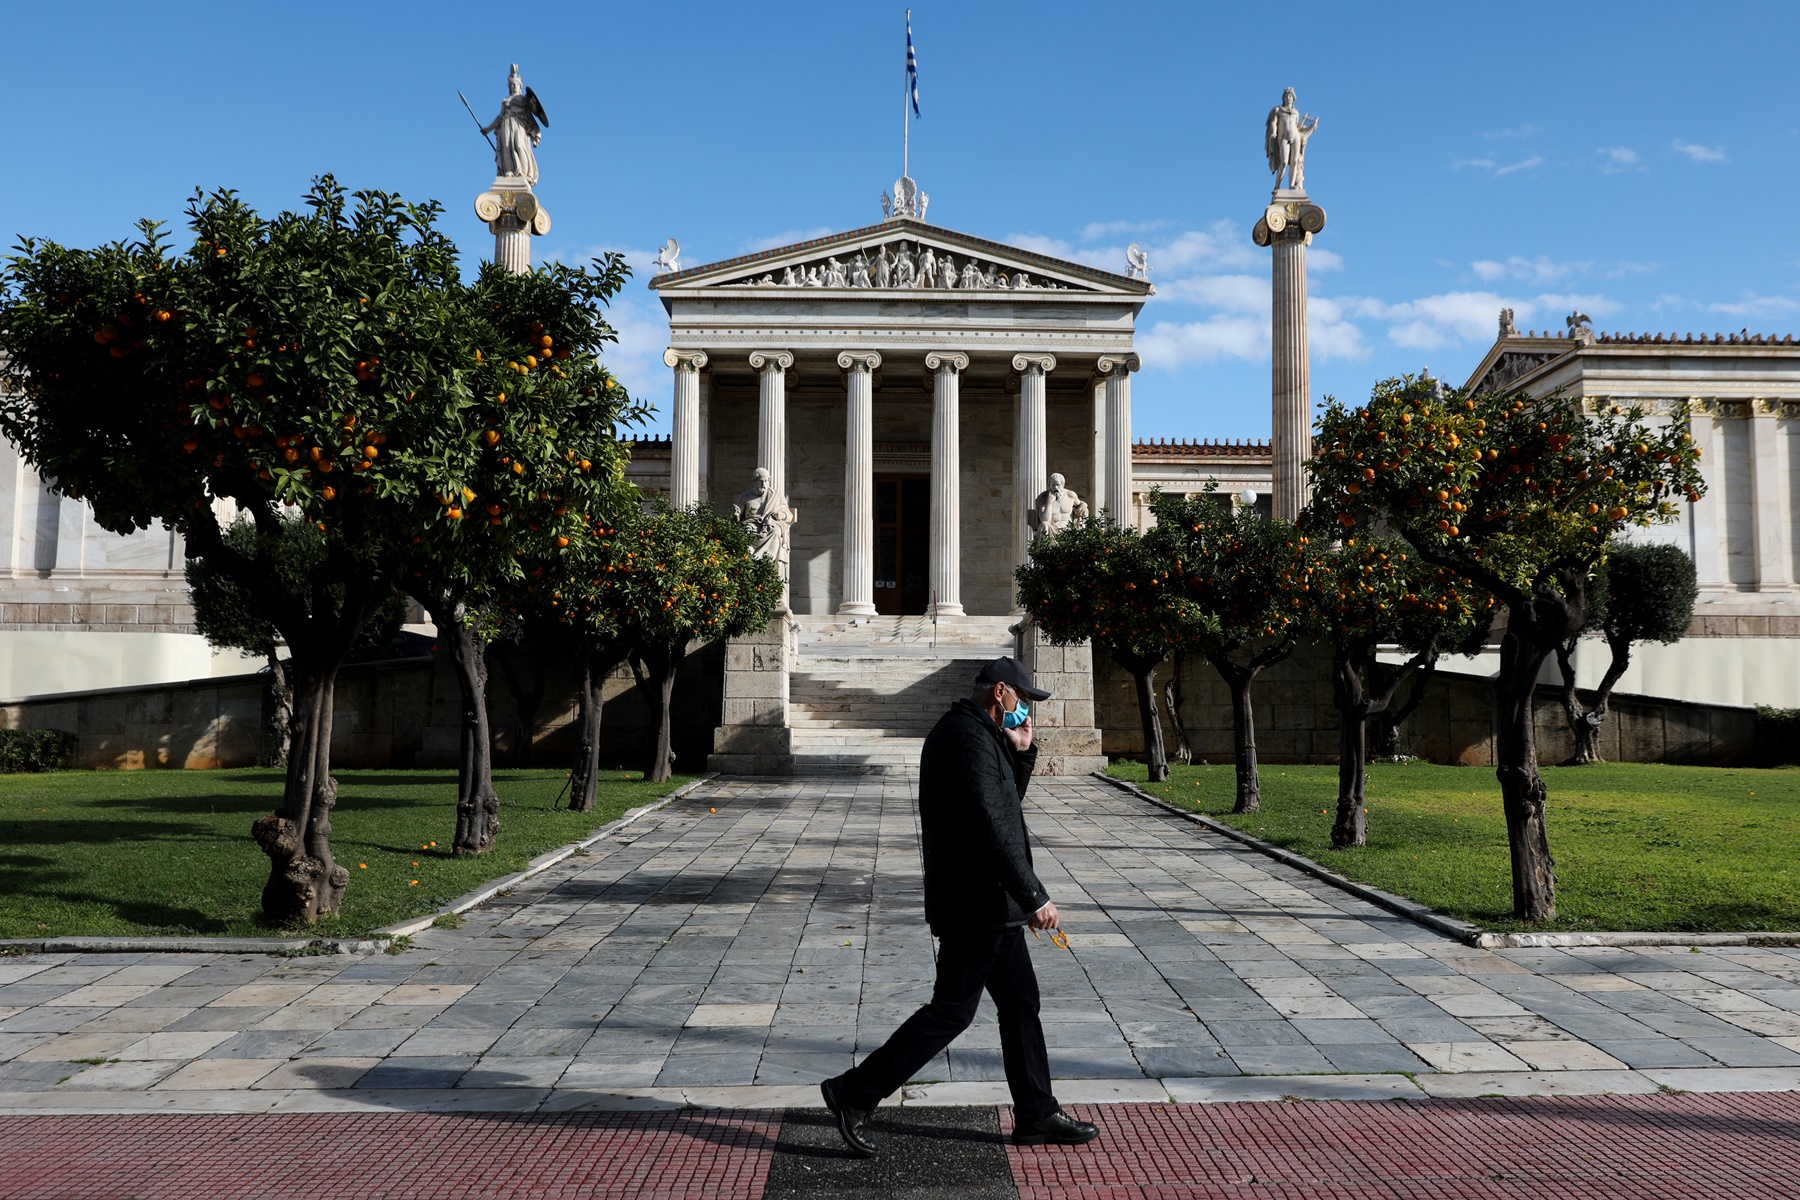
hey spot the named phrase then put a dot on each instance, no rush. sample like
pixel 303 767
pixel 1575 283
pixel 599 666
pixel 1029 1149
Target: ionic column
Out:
pixel 1770 499
pixel 946 482
pixel 771 414
pixel 684 450
pixel 1288 227
pixel 1117 369
pixel 858 599
pixel 1033 465
pixel 1707 513
pixel 1097 482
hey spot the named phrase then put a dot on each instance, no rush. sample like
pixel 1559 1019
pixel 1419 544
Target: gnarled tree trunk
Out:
pixel 1238 677
pixel 278 713
pixel 1585 723
pixel 1522 789
pixel 656 667
pixel 595 666
pixel 477 804
pixel 1184 747
pixel 1349 690
pixel 305 882
pixel 1142 668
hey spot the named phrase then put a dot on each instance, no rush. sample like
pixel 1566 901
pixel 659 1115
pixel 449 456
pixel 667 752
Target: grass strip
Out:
pixel 168 853
pixel 1638 846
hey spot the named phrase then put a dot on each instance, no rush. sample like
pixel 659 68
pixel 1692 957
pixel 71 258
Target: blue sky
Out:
pixel 1637 161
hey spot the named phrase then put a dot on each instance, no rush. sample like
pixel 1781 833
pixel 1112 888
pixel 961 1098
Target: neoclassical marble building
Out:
pixel 910 390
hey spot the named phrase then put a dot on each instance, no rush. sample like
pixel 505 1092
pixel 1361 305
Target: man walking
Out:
pixel 980 893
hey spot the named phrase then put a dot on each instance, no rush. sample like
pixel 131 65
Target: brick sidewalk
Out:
pixel 1741 1146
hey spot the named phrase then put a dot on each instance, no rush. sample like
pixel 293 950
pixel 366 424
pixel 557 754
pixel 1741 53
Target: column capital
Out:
pixel 1118 364
pixel 954 360
pixel 1293 221
pixel 1044 363
pixel 684 360
pixel 859 360
pixel 766 360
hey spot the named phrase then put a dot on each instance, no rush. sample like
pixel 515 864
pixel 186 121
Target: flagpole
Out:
pixel 905 118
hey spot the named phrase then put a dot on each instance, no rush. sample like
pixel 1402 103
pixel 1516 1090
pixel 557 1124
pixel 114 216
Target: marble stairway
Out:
pixel 862 696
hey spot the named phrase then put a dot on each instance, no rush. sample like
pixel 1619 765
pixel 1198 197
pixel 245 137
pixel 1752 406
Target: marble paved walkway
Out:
pixel 737 956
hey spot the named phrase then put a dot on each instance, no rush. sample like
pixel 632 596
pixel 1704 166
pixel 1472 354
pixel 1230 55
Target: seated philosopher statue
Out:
pixel 1057 508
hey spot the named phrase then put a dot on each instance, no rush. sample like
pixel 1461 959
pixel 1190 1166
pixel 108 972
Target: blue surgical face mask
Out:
pixel 1017 717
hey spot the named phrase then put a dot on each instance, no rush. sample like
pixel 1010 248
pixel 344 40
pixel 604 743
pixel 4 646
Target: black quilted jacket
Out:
pixel 978 872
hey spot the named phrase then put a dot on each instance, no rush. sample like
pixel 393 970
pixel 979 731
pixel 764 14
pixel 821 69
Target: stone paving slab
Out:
pixel 778 939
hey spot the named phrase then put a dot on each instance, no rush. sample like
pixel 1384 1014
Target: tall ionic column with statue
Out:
pixel 510 206
pixel 1287 226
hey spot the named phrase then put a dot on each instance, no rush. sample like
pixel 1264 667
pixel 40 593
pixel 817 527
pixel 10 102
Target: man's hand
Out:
pixel 1020 737
pixel 1046 917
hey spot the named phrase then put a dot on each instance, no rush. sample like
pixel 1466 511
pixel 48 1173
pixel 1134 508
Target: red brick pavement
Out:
pixel 372 1156
pixel 1737 1146
pixel 1720 1147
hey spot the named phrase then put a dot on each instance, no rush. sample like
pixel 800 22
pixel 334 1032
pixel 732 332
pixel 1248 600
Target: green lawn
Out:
pixel 169 852
pixel 1638 846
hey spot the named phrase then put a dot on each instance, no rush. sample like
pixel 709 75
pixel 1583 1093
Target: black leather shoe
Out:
pixel 852 1123
pixel 1059 1128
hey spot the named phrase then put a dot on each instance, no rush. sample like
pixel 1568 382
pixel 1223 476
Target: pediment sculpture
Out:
pixel 903 263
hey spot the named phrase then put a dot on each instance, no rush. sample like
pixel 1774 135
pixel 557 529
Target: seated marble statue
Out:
pixel 764 512
pixel 1056 509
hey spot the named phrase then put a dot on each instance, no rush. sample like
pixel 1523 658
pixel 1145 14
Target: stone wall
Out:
pixel 1296 721
pixel 401 713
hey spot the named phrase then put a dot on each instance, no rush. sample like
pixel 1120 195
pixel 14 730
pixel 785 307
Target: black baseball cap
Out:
pixel 1013 674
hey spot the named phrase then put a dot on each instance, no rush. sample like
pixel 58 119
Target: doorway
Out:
pixel 902 544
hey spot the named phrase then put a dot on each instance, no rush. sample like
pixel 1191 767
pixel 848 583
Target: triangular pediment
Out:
pixel 894 256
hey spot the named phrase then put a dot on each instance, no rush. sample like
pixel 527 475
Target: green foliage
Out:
pixel 34 749
pixel 1777 736
pixel 1643 593
pixel 657 576
pixel 229 616
pixel 140 853
pixel 1378 591
pixel 1097 580
pixel 1645 846
pixel 1244 573
pixel 1503 488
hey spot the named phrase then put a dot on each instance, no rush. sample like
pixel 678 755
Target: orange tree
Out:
pixel 1519 496
pixel 1098 581
pixel 1245 574
pixel 317 362
pixel 524 457
pixel 1368 592
pixel 656 582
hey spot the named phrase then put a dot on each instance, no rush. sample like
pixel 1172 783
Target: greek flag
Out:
pixel 912 66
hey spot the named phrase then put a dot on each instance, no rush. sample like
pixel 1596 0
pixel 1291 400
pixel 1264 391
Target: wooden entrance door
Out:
pixel 902 544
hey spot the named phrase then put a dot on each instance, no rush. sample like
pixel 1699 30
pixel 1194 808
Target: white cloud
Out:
pixel 1757 306
pixel 776 240
pixel 1493 167
pixel 1460 318
pixel 1516 131
pixel 1093 231
pixel 1169 345
pixel 1319 261
pixel 1042 244
pixel 1536 160
pixel 1617 160
pixel 1697 152
pixel 1539 270
pixel 1233 293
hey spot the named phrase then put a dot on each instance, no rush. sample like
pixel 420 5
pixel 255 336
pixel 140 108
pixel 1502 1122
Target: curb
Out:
pixel 1462 931
pixel 542 862
pixel 379 940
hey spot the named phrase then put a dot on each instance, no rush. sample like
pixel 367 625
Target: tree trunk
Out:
pixel 1522 789
pixel 1585 723
pixel 1350 692
pixel 278 720
pixel 1184 748
pixel 305 883
pixel 1142 668
pixel 1243 732
pixel 526 700
pixel 477 805
pixel 585 778
pixel 658 685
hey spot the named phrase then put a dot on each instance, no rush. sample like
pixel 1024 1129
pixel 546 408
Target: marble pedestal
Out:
pixel 1063 726
pixel 753 737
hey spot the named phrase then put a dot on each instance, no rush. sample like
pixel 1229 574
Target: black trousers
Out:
pixel 999 961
